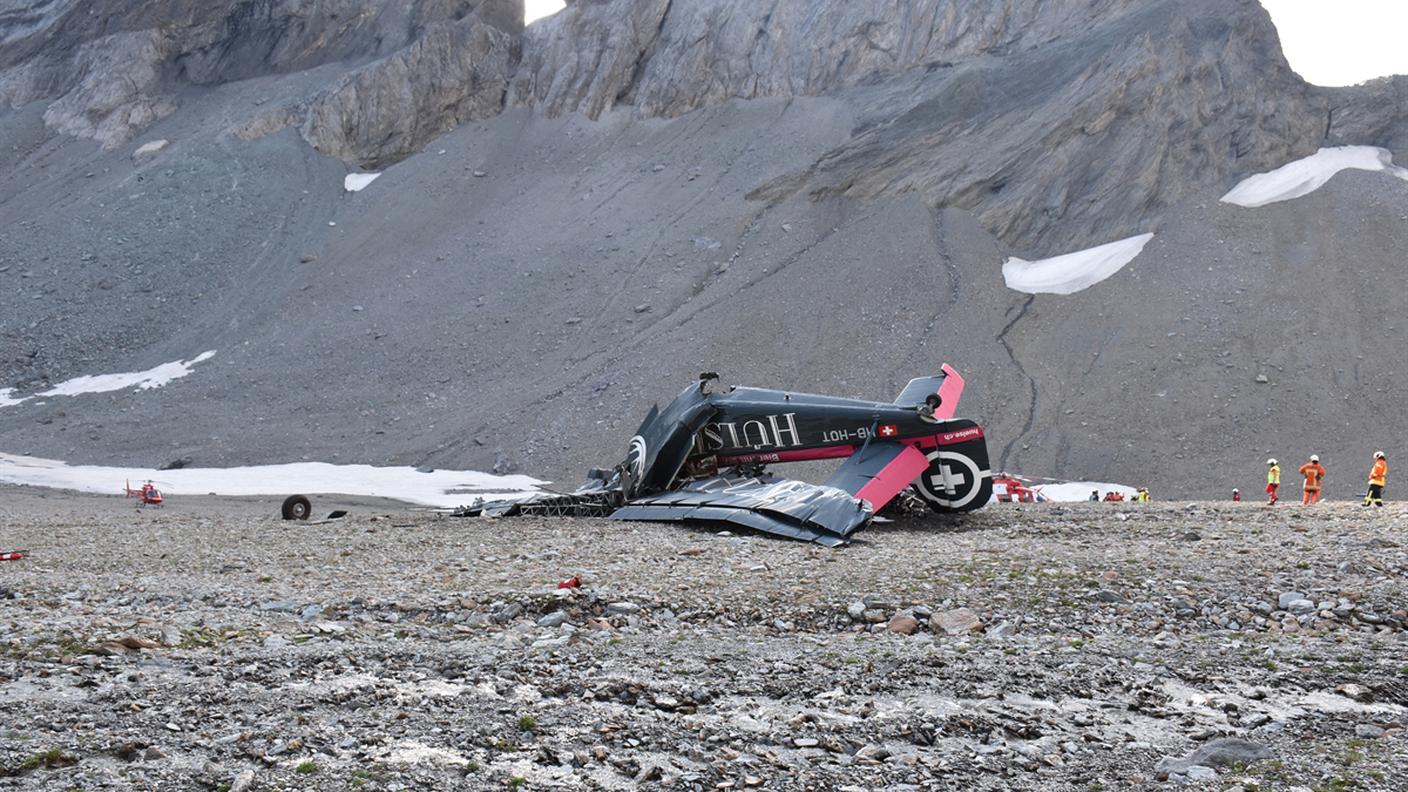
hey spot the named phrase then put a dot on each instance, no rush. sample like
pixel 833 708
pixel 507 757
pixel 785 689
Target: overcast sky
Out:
pixel 1328 42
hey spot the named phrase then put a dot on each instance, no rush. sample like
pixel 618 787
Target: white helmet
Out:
pixel 1314 457
pixel 1378 455
pixel 1271 461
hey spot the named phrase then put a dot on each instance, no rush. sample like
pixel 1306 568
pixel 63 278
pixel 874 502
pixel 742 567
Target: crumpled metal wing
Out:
pixel 794 509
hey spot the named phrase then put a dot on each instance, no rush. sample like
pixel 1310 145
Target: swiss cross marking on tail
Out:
pixel 888 430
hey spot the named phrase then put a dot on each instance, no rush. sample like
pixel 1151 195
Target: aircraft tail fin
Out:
pixel 945 389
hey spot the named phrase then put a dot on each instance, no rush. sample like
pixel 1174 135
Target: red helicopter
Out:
pixel 1011 488
pixel 147 494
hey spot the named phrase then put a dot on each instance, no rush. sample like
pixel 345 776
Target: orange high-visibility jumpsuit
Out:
pixel 1377 478
pixel 1314 473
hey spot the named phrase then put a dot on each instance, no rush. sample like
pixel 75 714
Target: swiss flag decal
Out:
pixel 888 430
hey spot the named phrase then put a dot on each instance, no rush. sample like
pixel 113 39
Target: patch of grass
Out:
pixel 306 768
pixel 1077 643
pixel 527 723
pixel 74 646
pixel 50 759
pixel 1270 664
pixel 517 782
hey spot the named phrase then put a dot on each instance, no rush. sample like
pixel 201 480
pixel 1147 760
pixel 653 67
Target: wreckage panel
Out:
pixel 786 508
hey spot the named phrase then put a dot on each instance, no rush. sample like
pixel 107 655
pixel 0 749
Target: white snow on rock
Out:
pixel 355 182
pixel 146 380
pixel 1307 175
pixel 148 149
pixel 442 488
pixel 1070 491
pixel 1072 272
pixel 102 383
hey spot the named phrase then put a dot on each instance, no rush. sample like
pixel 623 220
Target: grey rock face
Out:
pixel 456 72
pixel 1057 123
pixel 668 59
pixel 1375 114
pixel 583 59
pixel 111 68
pixel 1060 124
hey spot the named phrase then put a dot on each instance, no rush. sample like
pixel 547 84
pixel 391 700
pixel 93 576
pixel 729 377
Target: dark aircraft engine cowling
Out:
pixel 958 478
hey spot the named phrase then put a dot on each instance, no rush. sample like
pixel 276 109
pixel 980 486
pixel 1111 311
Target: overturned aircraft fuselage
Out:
pixel 702 459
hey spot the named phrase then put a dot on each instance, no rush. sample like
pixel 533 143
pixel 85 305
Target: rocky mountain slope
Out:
pixel 578 217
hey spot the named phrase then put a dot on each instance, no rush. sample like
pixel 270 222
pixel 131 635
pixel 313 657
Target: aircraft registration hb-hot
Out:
pixel 673 463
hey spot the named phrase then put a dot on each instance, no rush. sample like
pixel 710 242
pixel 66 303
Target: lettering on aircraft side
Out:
pixel 772 431
pixel 859 434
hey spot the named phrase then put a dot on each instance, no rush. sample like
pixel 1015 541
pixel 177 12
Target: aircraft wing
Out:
pixel 794 509
pixel 879 471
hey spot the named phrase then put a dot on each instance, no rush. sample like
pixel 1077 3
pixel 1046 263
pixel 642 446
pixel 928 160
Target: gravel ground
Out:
pixel 210 646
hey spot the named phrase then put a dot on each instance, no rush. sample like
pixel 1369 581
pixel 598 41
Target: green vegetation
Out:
pixel 52 758
pixel 527 723
pixel 306 768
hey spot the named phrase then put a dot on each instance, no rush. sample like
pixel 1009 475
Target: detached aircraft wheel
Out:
pixel 296 507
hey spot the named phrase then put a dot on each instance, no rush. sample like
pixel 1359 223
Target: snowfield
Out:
pixel 1305 176
pixel 1072 272
pixel 1070 491
pixel 440 488
pixel 102 383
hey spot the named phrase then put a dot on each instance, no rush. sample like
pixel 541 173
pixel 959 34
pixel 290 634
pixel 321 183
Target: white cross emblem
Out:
pixel 946 479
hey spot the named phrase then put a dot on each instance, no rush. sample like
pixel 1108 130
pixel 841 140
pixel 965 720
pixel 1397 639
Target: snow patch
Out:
pixel 1071 491
pixel 103 383
pixel 355 182
pixel 1072 272
pixel 148 149
pixel 442 488
pixel 1305 176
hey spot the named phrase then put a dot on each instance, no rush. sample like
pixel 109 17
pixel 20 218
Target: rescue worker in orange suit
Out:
pixel 1273 480
pixel 1314 473
pixel 1377 478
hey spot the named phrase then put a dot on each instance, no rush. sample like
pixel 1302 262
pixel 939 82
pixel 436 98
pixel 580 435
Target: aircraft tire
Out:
pixel 296 507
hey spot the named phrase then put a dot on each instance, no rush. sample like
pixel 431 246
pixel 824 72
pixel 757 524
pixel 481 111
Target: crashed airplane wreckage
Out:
pixel 672 467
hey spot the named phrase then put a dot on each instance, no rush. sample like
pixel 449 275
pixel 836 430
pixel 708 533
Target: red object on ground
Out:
pixel 572 582
pixel 1008 488
pixel 11 556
